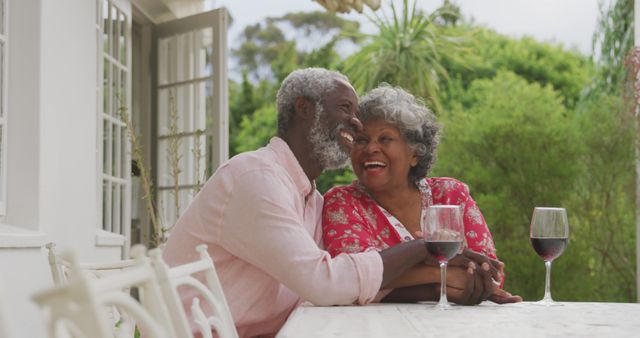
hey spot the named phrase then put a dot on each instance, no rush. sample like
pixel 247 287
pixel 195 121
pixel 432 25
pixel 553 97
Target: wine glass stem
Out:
pixel 443 284
pixel 547 283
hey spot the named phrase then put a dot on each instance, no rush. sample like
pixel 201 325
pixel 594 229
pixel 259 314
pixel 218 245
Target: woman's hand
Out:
pixel 501 296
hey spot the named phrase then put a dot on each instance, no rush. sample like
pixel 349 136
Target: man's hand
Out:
pixel 492 266
pixel 470 285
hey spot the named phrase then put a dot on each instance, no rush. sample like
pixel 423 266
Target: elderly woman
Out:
pixel 383 207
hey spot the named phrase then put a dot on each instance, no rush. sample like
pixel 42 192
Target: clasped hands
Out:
pixel 473 278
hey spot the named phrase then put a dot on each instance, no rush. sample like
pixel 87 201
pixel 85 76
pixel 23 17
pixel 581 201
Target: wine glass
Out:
pixel 549 235
pixel 443 233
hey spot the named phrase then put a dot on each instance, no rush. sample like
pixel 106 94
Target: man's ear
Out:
pixel 305 109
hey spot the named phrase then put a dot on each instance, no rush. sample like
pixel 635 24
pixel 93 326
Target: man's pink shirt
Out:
pixel 261 218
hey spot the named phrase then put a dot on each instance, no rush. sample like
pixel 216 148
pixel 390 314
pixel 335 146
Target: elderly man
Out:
pixel 260 216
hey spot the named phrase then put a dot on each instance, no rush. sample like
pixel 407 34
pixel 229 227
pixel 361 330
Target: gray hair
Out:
pixel 411 116
pixel 311 83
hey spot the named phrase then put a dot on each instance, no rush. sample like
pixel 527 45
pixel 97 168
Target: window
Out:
pixel 113 32
pixel 192 111
pixel 3 106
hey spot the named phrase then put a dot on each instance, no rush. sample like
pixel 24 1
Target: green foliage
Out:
pixel 406 52
pixel 334 178
pixel 525 125
pixel 489 52
pixel 603 202
pixel 513 143
pixel 266 53
pixel 612 41
pixel 256 130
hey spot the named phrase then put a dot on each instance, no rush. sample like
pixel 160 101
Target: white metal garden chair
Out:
pixel 78 306
pixel 211 293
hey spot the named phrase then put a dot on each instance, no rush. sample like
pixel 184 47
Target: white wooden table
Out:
pixel 485 320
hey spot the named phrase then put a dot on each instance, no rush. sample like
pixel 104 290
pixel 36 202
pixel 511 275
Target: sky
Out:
pixel 567 22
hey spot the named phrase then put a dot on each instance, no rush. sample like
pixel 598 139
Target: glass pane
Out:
pixel 185 56
pixel 204 49
pixel 203 104
pixel 115 192
pixel 2 72
pixel 117 151
pixel 113 149
pixel 122 39
pixel 113 33
pixel 164 97
pixel 2 14
pixel 115 92
pixel 184 108
pixel 126 163
pixel 167 202
pixel 1 162
pixel 105 146
pixel 106 88
pixel 162 61
pixel 122 91
pixel 106 26
pixel 200 158
pixel 106 205
pixel 123 205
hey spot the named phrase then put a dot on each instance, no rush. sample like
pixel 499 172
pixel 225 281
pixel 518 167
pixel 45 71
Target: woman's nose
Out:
pixel 372 147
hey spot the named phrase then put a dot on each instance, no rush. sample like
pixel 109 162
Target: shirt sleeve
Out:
pixel 262 225
pixel 344 230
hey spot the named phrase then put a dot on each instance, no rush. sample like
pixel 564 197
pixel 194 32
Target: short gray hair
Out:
pixel 311 83
pixel 411 116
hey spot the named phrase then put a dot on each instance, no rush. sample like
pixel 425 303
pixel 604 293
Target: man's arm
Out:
pixel 400 258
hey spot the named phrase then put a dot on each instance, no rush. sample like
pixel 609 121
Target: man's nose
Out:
pixel 356 124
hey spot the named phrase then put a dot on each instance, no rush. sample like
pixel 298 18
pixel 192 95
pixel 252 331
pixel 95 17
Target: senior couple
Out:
pixel 276 241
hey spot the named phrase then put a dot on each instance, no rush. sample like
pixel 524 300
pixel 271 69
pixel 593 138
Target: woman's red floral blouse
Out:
pixel 353 222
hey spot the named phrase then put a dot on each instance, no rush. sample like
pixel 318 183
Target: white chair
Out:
pixel 60 267
pixel 211 293
pixel 121 325
pixel 79 305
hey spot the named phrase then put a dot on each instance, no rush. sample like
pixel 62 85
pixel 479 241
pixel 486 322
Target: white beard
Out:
pixel 326 148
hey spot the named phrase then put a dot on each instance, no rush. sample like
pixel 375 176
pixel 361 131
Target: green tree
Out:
pixel 515 146
pixel 257 129
pixel 610 130
pixel 406 52
pixel 602 208
pixel 612 42
pixel 271 49
pixel 538 62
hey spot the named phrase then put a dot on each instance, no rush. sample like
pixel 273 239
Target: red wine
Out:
pixel 443 250
pixel 549 248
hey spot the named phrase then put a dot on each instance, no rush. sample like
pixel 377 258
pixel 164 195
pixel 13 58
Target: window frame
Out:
pixel 4 55
pixel 113 232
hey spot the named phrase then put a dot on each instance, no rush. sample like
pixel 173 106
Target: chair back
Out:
pixel 121 325
pixel 210 292
pixel 60 267
pixel 78 307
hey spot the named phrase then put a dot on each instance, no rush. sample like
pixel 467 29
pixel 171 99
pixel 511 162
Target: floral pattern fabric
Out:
pixel 353 222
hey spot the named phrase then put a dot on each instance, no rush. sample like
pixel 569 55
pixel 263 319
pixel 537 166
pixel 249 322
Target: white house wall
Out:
pixel 52 150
